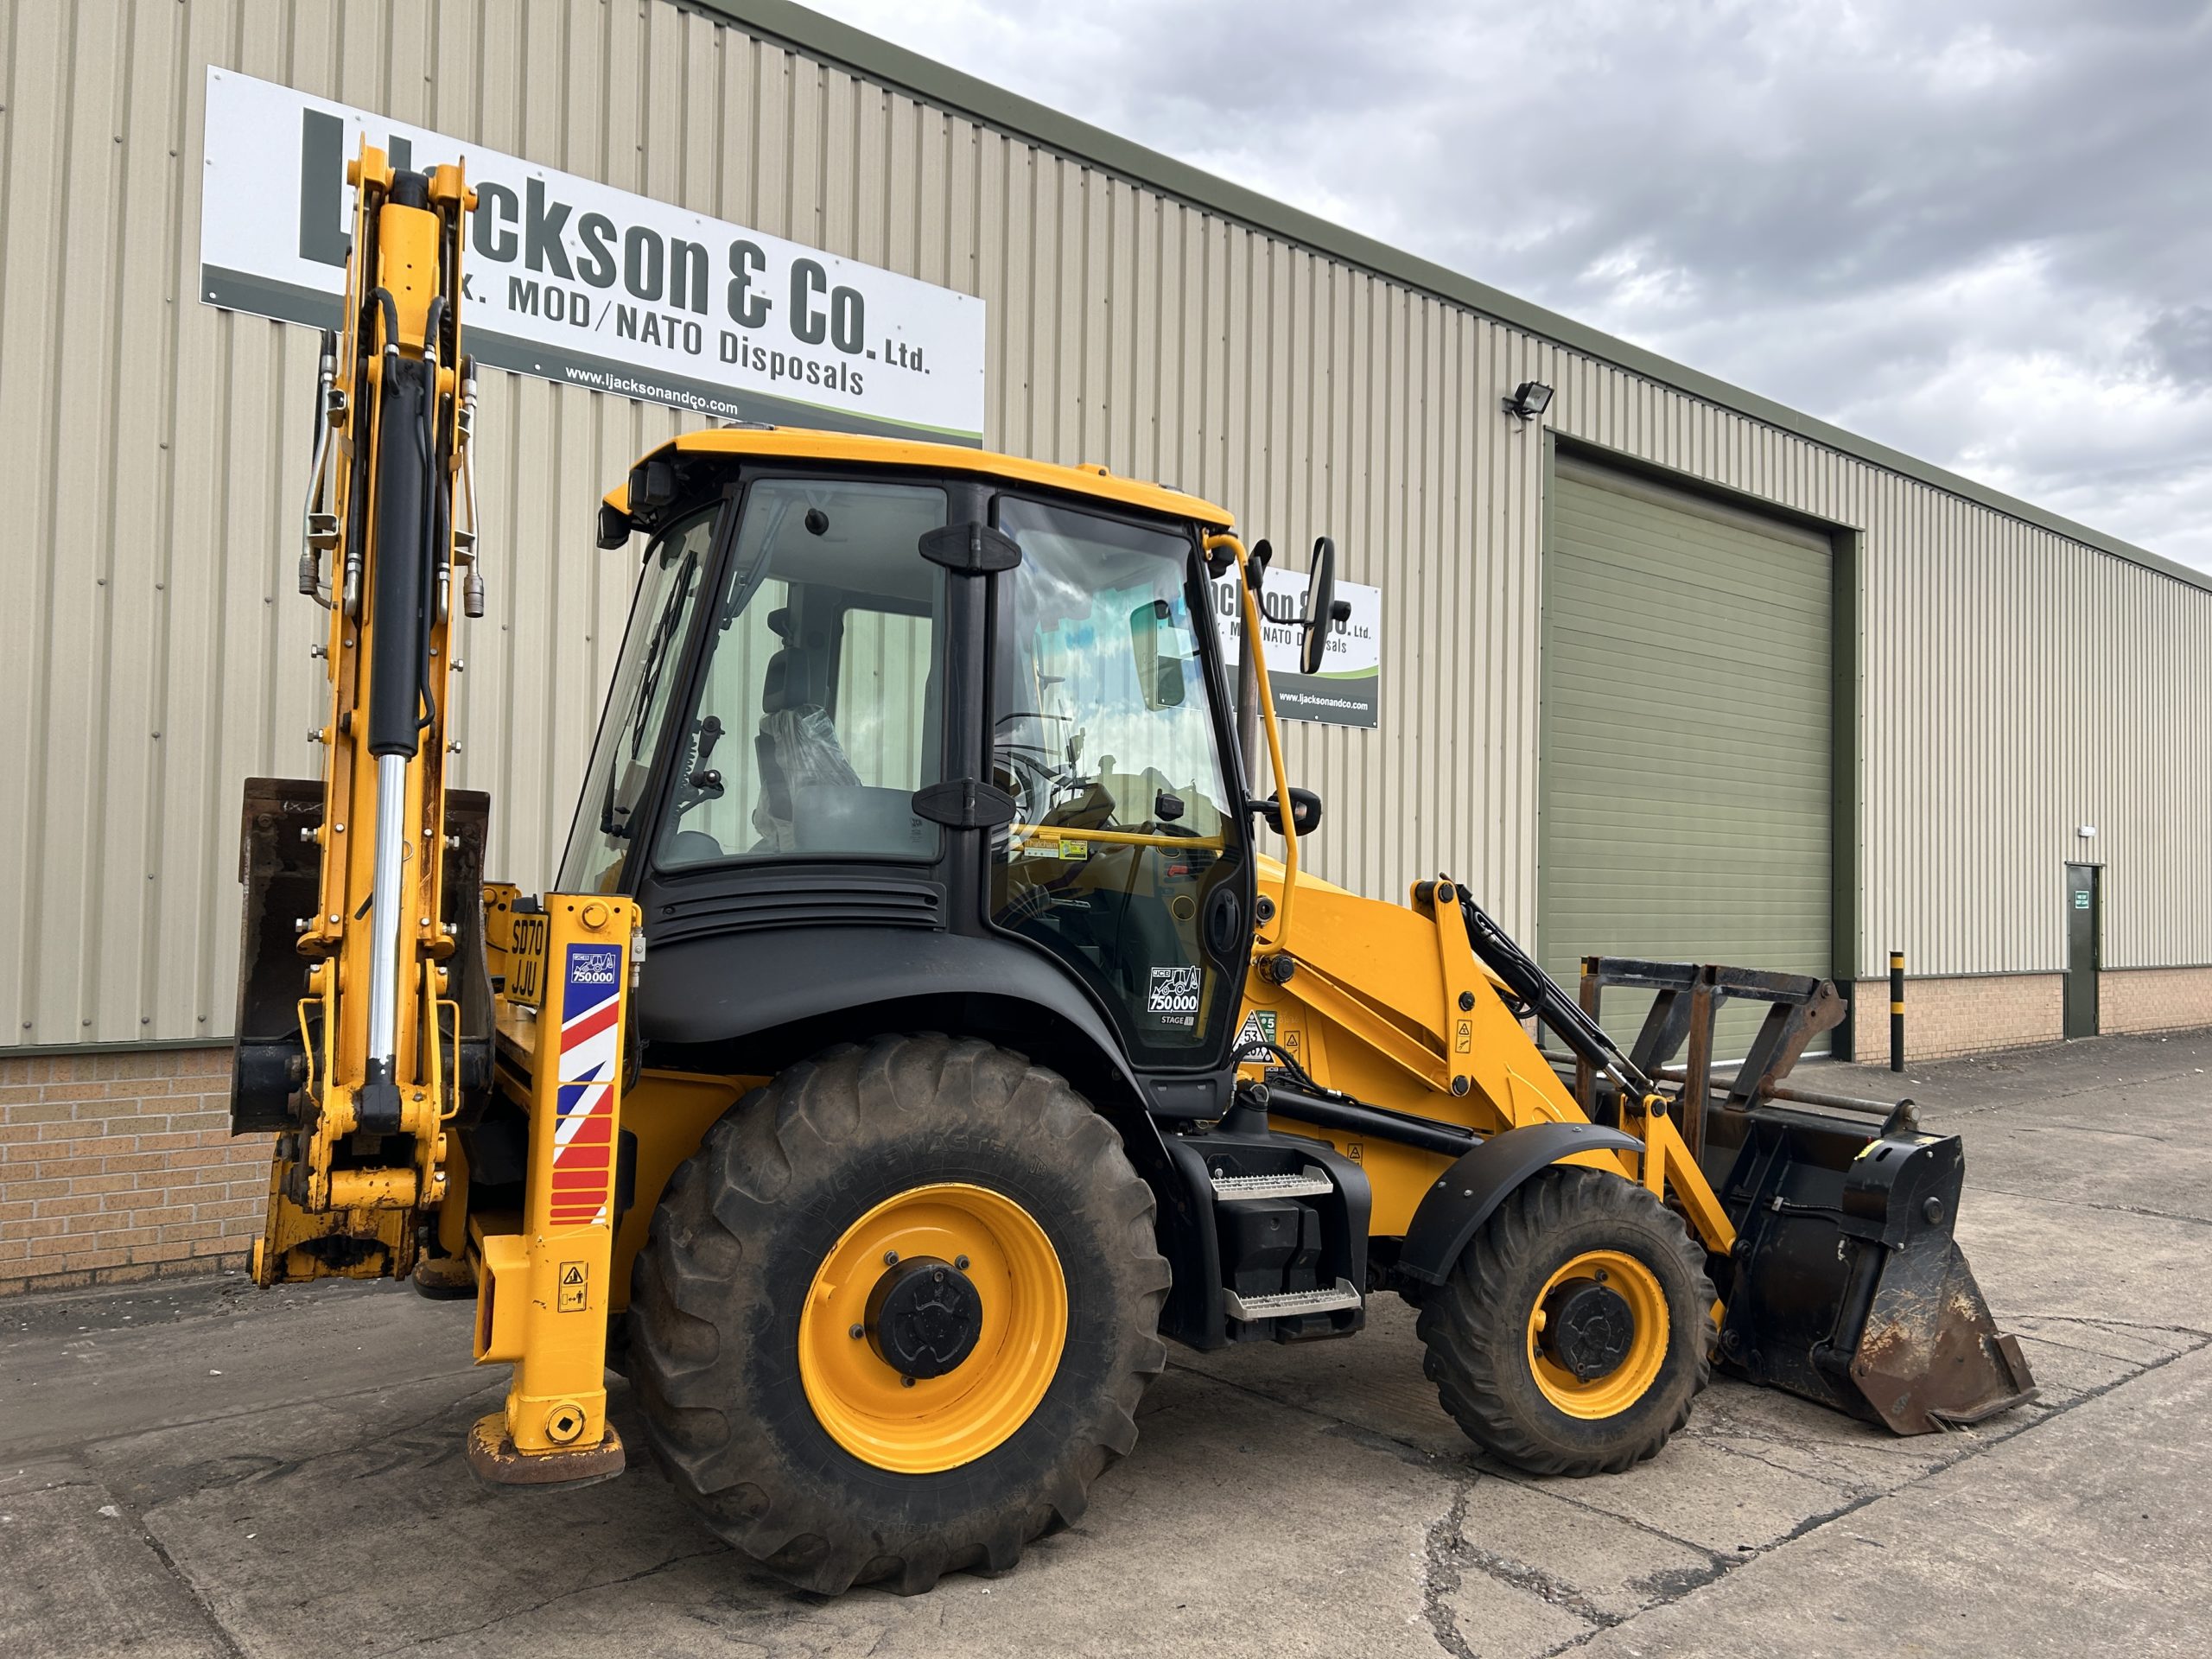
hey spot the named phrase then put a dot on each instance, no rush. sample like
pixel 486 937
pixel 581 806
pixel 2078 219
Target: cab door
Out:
pixel 1126 860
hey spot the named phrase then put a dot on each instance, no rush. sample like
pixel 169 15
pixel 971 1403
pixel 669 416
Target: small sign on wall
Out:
pixel 1348 691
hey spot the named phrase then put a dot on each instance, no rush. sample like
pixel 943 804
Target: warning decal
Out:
pixel 575 1287
pixel 1259 1028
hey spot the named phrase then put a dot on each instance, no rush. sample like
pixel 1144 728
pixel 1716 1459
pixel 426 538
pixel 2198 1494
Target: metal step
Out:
pixel 1290 1304
pixel 1312 1183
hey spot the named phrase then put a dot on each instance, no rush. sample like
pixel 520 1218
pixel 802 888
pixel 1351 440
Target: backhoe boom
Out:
pixel 371 1075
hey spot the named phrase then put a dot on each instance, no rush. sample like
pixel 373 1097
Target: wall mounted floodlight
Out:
pixel 2086 831
pixel 1529 399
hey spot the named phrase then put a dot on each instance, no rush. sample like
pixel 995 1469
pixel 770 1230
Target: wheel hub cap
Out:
pixel 1588 1328
pixel 1598 1333
pixel 916 1373
pixel 924 1317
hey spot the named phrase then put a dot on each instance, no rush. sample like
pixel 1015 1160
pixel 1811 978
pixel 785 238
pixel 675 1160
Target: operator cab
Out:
pixel 894 690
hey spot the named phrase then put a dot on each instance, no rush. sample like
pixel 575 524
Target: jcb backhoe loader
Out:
pixel 978 1048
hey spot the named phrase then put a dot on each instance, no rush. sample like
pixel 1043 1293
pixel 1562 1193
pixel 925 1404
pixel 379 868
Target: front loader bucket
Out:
pixel 1847 1286
pixel 1843 1284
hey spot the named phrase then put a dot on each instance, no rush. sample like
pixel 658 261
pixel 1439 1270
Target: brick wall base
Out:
pixel 2154 999
pixel 1947 1017
pixel 115 1166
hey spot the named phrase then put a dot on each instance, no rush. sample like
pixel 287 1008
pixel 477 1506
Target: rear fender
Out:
pixel 1468 1194
pixel 707 1005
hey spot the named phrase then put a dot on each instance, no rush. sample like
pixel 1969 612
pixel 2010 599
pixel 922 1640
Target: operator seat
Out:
pixel 797 745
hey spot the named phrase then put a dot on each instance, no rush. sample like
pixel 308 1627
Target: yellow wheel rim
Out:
pixel 935 1422
pixel 1617 1390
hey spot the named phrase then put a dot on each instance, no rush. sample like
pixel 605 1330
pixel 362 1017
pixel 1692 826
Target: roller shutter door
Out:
pixel 1685 760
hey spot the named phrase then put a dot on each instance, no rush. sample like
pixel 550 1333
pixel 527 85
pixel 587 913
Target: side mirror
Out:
pixel 1159 673
pixel 1320 606
pixel 614 527
pixel 1305 812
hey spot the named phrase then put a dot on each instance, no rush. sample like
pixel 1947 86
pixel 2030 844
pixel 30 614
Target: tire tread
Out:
pixel 1472 1328
pixel 722 1203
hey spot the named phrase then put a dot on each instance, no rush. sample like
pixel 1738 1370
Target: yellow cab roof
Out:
pixel 799 444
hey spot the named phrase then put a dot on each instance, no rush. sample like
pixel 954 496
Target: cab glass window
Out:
pixel 613 806
pixel 1124 857
pixel 819 715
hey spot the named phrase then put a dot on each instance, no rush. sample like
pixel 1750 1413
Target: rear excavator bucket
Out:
pixel 1847 1287
pixel 1843 1284
pixel 282 1049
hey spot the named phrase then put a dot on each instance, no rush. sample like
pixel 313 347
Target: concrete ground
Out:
pixel 204 1469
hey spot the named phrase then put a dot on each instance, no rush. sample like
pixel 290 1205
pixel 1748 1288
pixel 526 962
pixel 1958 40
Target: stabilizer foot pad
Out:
pixel 494 1460
pixel 443 1278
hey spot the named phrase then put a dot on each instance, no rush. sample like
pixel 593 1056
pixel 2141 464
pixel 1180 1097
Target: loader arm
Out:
pixel 1392 1006
pixel 1830 1245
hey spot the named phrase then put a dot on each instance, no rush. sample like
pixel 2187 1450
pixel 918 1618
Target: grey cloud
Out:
pixel 2179 343
pixel 1979 231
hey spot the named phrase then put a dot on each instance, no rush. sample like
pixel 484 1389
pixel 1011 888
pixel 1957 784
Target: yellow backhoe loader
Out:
pixel 978 1048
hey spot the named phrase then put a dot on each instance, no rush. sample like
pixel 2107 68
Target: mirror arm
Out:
pixel 1247 721
pixel 1255 655
pixel 1320 606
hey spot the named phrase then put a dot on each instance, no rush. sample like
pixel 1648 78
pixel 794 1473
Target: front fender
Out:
pixel 1467 1194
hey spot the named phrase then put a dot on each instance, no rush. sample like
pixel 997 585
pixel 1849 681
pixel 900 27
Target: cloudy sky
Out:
pixel 1978 230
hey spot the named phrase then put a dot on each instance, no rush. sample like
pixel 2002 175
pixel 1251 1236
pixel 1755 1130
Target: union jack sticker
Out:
pixel 591 1041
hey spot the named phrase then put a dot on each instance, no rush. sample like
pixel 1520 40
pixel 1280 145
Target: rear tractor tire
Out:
pixel 895 1314
pixel 1576 1328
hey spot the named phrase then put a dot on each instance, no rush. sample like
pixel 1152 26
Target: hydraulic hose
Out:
pixel 1546 999
pixel 433 552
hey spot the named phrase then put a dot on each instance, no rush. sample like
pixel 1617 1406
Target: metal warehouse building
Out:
pixel 1668 669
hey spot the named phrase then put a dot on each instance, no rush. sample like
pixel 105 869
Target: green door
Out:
pixel 2082 940
pixel 1685 762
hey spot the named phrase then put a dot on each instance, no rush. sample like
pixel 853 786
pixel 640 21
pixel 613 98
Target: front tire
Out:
pixel 978 1223
pixel 1575 1329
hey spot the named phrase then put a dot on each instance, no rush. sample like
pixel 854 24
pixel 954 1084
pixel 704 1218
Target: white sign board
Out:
pixel 1348 691
pixel 591 286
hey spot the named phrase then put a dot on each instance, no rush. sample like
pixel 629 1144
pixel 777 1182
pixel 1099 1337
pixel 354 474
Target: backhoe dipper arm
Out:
pixel 371 1144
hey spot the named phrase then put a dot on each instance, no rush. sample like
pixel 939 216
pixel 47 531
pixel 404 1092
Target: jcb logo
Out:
pixel 526 960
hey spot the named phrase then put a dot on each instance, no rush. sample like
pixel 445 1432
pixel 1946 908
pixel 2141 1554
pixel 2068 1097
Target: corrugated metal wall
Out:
pixel 153 451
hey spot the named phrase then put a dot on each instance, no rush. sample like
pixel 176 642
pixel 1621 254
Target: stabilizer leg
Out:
pixel 543 1304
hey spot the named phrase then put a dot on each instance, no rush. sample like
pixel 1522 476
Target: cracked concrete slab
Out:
pixel 1598 1567
pixel 286 1477
pixel 2085 1535
pixel 1477 1594
pixel 82 1577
